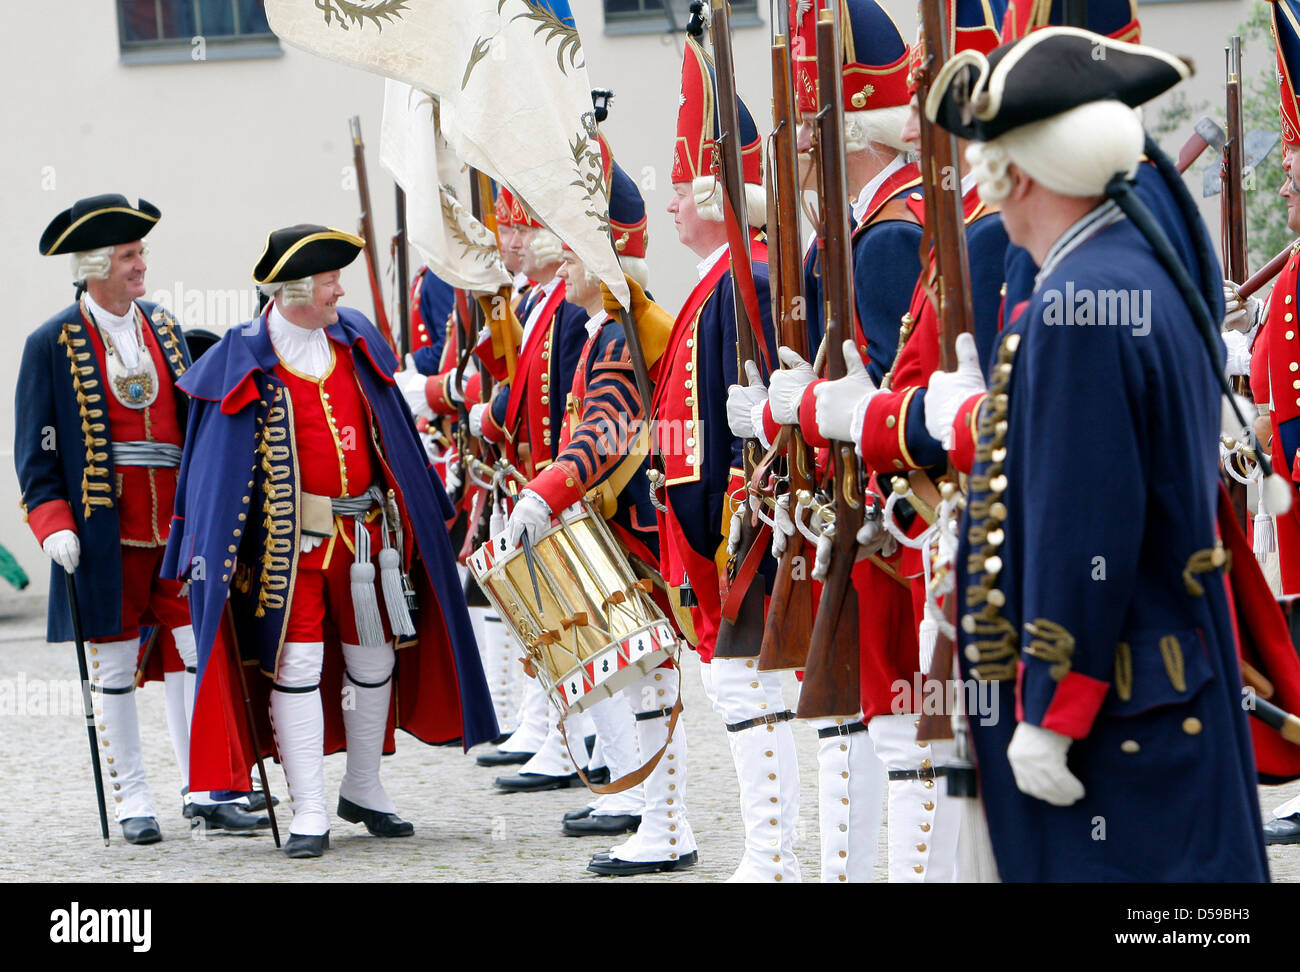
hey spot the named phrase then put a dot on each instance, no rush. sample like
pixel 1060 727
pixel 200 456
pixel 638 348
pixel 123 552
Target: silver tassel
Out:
pixel 365 605
pixel 390 578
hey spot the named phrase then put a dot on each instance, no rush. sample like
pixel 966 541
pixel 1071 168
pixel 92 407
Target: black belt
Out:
pixel 117 691
pixel 843 730
pixel 293 689
pixel 358 684
pixel 766 720
pixel 663 713
pixel 922 774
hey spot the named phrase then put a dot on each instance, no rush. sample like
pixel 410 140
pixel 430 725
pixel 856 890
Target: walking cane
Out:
pixel 252 731
pixel 87 704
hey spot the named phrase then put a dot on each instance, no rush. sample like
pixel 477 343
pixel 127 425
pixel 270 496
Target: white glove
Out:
pixel 742 401
pixel 788 385
pixel 454 481
pixel 476 414
pixel 1238 361
pixel 1240 313
pixel 839 400
pixel 948 389
pixel 64 548
pixel 784 528
pixel 411 384
pixel 307 543
pixel 1037 758
pixel 531 515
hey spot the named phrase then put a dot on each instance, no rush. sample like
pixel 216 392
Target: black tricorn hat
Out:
pixel 301 251
pixel 1044 74
pixel 105 220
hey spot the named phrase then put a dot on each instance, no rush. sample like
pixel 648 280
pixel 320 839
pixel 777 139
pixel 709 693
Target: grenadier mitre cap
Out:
pixel 973 25
pixel 517 213
pixel 627 215
pixel 296 252
pixel 875 56
pixel 1117 19
pixel 1286 33
pixel 1042 75
pixel 97 221
pixel 697 124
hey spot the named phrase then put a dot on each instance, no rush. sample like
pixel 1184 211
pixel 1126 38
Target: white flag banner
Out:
pixel 439 224
pixel 511 80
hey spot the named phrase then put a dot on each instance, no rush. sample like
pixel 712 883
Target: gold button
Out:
pixel 778 877
pixel 690 342
pixel 845 774
pixel 1192 725
pixel 1293 366
pixel 768 754
pixel 925 828
pixel 771 776
pixel 919 869
pixel 843 878
pixel 546 420
pixel 569 482
pixel 843 748
pixel 898 464
pixel 688 384
pixel 859 100
pixel 844 800
pixel 1288 317
pixel 929 784
pixel 921 848
pixel 925 764
pixel 928 804
pixel 773 822
pixel 774 799
pixel 232 548
pixel 890 422
pixel 753 685
pixel 546 400
pixel 1129 746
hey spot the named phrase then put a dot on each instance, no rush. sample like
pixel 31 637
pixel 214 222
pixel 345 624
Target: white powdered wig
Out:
pixel 292 292
pixel 546 247
pixel 869 130
pixel 92 264
pixel 1075 153
pixel 637 269
pixel 708 201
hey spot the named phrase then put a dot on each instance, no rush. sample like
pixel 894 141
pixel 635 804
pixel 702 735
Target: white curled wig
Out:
pixel 92 264
pixel 870 131
pixel 1075 153
pixel 708 200
pixel 546 247
pixel 292 292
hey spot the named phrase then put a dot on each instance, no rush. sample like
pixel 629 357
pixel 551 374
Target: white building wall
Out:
pixel 232 149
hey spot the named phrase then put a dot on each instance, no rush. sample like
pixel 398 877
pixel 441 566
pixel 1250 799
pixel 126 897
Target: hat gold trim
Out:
pixel 299 244
pixel 99 212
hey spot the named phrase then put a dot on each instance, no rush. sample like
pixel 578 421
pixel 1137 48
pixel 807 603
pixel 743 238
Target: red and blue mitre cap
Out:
pixel 875 55
pixel 627 215
pixel 973 25
pixel 1117 19
pixel 1286 32
pixel 697 124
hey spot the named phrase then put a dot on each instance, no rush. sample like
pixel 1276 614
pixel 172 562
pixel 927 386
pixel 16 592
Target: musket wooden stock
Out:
pixel 790 609
pixel 368 233
pixel 831 685
pixel 741 636
pixel 1265 274
pixel 948 273
pixel 1232 205
pixel 400 257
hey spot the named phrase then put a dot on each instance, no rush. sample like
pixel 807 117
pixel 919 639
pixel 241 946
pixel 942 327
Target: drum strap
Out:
pixel 745 576
pixel 638 775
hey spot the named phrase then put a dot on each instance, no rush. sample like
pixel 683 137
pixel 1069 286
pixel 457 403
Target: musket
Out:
pixel 86 703
pixel 1267 272
pixel 831 684
pixel 399 254
pixel 740 631
pixel 1235 261
pixel 367 232
pixel 947 275
pixel 790 611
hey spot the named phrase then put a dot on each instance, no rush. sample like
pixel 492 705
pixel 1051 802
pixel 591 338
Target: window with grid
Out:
pixel 167 30
pixel 637 16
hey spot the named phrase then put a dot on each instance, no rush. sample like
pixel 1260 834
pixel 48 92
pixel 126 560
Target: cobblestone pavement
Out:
pixel 465 830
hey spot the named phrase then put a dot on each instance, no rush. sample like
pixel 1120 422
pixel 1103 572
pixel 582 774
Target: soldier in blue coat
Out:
pixel 306 499
pixel 1091 570
pixel 96 445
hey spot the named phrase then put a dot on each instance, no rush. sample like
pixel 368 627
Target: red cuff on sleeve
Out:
pixel 884 432
pixel 496 366
pixel 1074 706
pixel 51 517
pixel 435 393
pixel 808 417
pixel 558 485
pixel 491 431
pixel 962 452
pixel 770 427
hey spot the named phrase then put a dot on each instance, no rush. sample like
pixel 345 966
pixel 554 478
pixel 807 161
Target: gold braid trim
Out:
pixel 164 322
pixel 905 325
pixel 1202 562
pixel 94 431
pixel 1172 653
pixel 1123 671
pixel 1050 643
pixel 278 510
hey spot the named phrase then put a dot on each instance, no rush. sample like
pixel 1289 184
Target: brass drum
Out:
pixel 597 629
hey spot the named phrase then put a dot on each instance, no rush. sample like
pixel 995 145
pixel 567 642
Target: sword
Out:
pixel 252 729
pixel 87 704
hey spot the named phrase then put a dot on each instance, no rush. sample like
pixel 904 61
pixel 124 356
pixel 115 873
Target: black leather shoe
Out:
pixel 612 867
pixel 599 776
pixel 604 825
pixel 536 782
pixel 578 814
pixel 300 846
pixel 502 738
pixel 379 824
pixel 503 757
pixel 228 816
pixel 1285 830
pixel 141 830
pixel 257 801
